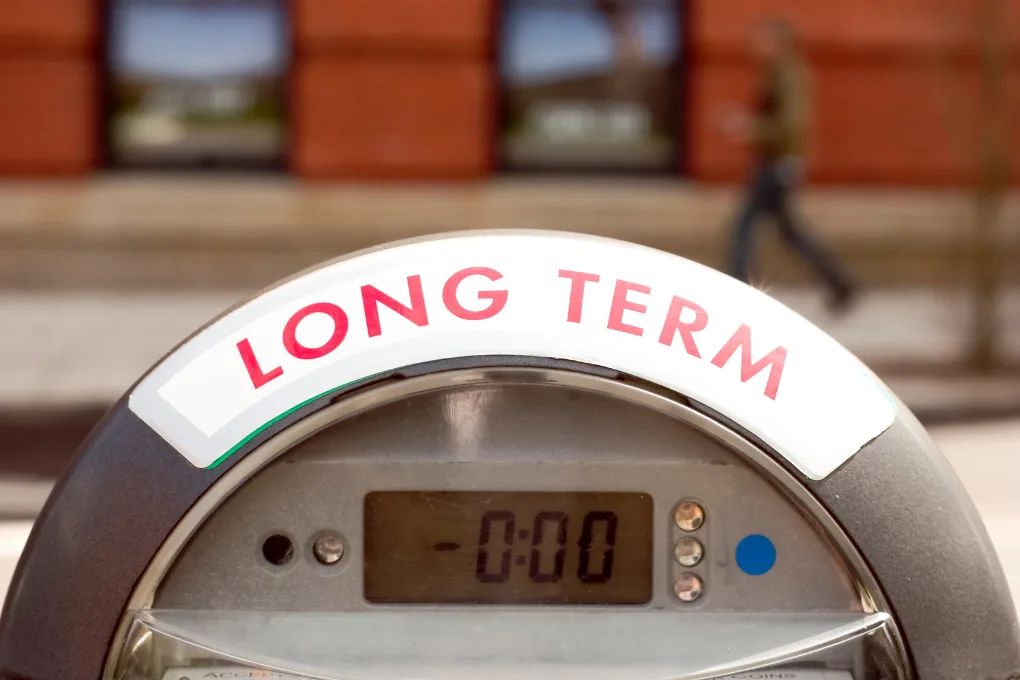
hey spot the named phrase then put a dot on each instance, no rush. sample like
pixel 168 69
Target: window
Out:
pixel 590 84
pixel 197 83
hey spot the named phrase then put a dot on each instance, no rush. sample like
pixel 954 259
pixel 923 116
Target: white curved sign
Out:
pixel 653 315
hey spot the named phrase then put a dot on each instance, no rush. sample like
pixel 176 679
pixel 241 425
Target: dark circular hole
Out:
pixel 278 550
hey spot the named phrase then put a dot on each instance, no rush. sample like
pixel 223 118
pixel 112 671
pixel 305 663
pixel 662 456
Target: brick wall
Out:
pixel 49 89
pixel 405 88
pixel 401 88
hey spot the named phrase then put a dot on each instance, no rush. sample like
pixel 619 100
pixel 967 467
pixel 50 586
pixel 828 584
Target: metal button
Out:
pixel 328 549
pixel 689 516
pixel 688 587
pixel 688 551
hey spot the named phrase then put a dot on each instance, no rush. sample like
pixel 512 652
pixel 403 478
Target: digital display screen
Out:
pixel 572 548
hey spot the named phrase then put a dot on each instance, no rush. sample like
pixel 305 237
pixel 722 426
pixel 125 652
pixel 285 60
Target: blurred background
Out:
pixel 161 160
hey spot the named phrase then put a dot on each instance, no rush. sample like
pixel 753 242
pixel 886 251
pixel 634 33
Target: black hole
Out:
pixel 278 550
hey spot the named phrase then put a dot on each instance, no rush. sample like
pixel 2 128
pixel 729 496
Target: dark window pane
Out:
pixel 590 83
pixel 197 82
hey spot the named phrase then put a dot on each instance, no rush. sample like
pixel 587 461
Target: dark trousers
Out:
pixel 769 194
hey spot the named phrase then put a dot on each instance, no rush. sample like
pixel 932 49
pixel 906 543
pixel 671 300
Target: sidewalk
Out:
pixel 167 231
pixel 73 348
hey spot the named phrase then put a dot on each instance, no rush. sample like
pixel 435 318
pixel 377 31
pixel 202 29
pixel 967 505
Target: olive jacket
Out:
pixel 783 114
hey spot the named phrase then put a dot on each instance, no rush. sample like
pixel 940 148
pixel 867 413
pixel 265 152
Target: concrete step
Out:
pixel 235 210
pixel 174 231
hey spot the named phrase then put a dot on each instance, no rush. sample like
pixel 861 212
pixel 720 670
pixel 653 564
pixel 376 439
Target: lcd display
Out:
pixel 573 548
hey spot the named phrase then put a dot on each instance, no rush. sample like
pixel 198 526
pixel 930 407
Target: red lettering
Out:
pixel 776 359
pixel 299 351
pixel 497 298
pixel 251 364
pixel 577 281
pixel 372 296
pixel 672 325
pixel 622 304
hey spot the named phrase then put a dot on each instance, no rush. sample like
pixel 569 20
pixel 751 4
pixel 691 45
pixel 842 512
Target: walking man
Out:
pixel 776 132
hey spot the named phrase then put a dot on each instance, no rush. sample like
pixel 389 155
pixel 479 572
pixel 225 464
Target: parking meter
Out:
pixel 509 455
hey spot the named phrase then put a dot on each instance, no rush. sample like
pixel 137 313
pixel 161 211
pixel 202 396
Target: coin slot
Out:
pixel 278 550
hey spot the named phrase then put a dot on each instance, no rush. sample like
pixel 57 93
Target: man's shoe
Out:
pixel 843 300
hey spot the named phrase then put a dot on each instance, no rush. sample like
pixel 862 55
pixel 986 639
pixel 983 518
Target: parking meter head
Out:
pixel 502 454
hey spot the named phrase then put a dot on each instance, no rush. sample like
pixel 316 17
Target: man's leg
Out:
pixel 837 278
pixel 743 235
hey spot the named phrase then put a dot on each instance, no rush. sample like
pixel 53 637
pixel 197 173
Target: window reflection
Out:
pixel 197 82
pixel 590 83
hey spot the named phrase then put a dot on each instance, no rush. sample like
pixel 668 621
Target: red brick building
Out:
pixel 410 89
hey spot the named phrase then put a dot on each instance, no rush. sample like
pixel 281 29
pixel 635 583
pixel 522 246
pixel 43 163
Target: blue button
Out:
pixel 755 554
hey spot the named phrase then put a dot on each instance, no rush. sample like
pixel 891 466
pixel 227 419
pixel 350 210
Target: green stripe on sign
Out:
pixel 283 415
